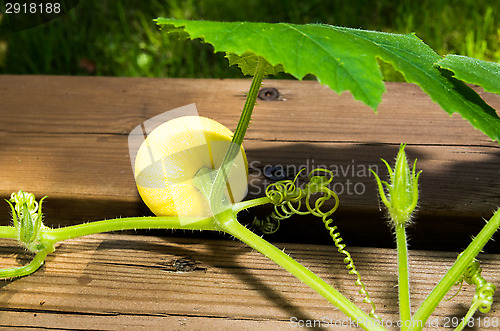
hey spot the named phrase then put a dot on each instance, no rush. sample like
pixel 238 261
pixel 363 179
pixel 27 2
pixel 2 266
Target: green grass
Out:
pixel 119 38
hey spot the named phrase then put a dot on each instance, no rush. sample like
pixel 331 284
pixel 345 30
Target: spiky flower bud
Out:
pixel 400 195
pixel 27 218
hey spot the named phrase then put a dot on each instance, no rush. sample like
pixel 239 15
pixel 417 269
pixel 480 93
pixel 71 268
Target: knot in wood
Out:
pixel 269 94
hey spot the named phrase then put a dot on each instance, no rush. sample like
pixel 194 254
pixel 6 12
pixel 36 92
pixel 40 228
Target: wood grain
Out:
pixel 66 137
pixel 112 282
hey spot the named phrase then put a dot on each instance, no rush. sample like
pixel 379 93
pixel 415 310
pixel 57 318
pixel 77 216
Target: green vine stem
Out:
pixel 243 205
pixel 47 237
pixel 131 223
pixel 28 269
pixel 403 277
pixel 455 272
pixel 473 308
pixel 241 129
pixel 228 223
pixel 250 102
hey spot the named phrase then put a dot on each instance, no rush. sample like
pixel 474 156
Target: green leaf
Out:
pixel 345 59
pixel 483 73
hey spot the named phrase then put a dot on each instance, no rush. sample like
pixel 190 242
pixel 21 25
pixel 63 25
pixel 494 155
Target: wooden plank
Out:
pixel 116 105
pixel 111 281
pixel 66 137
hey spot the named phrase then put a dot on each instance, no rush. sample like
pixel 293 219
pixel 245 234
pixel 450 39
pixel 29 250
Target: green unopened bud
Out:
pixel 27 218
pixel 401 194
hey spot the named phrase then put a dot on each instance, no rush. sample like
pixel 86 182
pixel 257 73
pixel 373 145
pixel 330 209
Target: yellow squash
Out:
pixel 170 157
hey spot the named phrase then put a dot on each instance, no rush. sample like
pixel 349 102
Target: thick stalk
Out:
pixel 48 237
pixel 250 102
pixel 228 223
pixel 132 223
pixel 458 268
pixel 239 134
pixel 403 277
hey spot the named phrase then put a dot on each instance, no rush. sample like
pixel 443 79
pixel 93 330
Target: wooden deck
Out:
pixel 115 282
pixel 66 137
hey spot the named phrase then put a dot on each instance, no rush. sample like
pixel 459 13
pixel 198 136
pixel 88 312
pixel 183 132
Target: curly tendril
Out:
pixel 268 225
pixel 288 198
pixel 483 298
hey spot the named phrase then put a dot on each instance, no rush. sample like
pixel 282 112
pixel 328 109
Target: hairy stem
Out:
pixel 237 207
pixel 458 268
pixel 27 269
pixel 48 237
pixel 403 276
pixel 131 223
pixel 239 134
pixel 228 223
